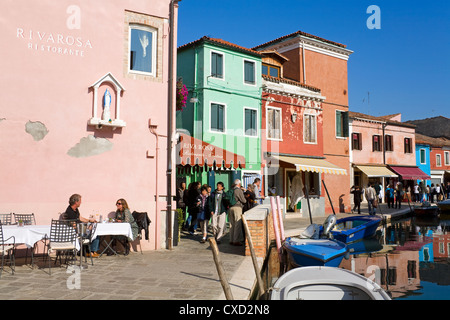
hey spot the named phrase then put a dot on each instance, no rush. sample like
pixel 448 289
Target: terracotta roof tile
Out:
pixel 220 42
pixel 301 33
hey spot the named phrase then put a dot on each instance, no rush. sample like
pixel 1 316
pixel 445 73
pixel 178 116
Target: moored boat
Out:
pixel 426 209
pixel 326 283
pixel 444 205
pixel 355 228
pixel 313 252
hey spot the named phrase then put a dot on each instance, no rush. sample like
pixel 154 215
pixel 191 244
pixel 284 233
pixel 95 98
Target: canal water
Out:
pixel 409 258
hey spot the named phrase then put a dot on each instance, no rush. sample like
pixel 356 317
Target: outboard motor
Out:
pixel 328 225
pixel 311 232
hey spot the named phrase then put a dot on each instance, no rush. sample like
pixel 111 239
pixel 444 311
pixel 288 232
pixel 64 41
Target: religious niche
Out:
pixel 107 91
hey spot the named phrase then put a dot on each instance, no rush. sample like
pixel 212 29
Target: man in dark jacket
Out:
pixel 218 211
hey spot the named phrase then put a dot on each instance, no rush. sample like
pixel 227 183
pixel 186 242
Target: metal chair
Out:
pixel 5 218
pixel 62 239
pixel 25 218
pixel 86 232
pixel 7 249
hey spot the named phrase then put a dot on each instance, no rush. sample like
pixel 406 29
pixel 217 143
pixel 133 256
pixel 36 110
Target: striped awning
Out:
pixel 192 151
pixel 312 165
pixel 377 171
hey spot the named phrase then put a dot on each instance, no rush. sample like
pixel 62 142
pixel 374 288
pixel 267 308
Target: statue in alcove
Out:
pixel 106 106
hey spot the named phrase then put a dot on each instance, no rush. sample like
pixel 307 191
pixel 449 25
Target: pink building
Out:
pixel 382 149
pixel 84 107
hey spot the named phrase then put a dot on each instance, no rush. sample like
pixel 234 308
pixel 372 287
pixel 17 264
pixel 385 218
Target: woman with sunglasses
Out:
pixel 123 214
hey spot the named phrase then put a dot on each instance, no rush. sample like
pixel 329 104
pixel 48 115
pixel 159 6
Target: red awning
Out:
pixel 410 173
pixel 193 152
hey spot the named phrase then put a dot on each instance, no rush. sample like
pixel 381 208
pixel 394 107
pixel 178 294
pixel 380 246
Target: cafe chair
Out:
pixel 27 219
pixel 62 239
pixel 5 218
pixel 86 233
pixel 7 247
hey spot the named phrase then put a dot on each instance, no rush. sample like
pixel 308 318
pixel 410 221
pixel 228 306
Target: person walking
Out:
pixel 257 191
pixel 416 193
pixel 218 212
pixel 390 196
pixel 235 215
pixel 356 190
pixel 398 195
pixel 192 204
pixel 370 196
pixel 203 215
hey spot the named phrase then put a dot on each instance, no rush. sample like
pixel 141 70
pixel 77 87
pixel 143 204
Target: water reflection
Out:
pixel 404 254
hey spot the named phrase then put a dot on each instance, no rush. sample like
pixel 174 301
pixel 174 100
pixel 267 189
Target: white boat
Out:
pixel 325 283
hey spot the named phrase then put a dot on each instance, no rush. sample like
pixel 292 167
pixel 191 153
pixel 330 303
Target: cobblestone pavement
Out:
pixel 186 272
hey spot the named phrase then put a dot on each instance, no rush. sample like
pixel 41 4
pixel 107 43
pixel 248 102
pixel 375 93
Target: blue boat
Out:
pixel 355 228
pixel 313 252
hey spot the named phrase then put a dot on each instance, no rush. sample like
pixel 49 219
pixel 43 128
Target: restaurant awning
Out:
pixel 312 165
pixel 377 171
pixel 192 151
pixel 410 173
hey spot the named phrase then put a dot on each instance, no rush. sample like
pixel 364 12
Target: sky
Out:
pixel 401 67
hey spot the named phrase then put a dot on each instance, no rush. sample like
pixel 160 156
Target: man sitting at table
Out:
pixel 72 213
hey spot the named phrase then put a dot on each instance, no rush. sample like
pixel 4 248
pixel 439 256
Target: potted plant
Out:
pixel 20 223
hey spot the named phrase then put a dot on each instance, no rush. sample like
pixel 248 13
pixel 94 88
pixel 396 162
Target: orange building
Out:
pixel 320 63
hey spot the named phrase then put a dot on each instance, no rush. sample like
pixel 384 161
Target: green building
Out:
pixel 223 108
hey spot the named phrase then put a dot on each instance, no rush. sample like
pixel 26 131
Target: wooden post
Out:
pixel 220 271
pixel 252 252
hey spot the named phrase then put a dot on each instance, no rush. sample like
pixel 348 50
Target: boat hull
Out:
pixel 311 252
pixel 324 283
pixel 444 205
pixel 426 211
pixel 355 228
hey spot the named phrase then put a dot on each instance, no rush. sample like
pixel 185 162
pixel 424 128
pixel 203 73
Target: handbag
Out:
pixel 201 215
pixel 375 203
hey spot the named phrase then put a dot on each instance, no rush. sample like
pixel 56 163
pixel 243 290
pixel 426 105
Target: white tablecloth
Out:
pixel 28 235
pixel 114 229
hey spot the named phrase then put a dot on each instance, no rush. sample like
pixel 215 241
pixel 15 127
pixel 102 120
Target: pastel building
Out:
pixel 85 108
pixel 222 117
pixel 382 150
pixel 322 64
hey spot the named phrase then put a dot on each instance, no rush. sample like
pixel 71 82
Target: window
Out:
pixel 216 65
pixel 309 128
pixel 142 49
pixel 356 141
pixel 388 143
pixel 273 123
pixel 376 142
pixel 249 72
pixel 447 158
pixel 408 145
pixel 269 70
pixel 250 122
pixel 423 159
pixel 217 117
pixel 341 124
pixel 438 160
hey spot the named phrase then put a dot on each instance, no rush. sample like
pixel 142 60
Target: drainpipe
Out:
pixel 170 112
pixel 153 131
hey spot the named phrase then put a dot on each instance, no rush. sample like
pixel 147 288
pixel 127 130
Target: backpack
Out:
pixel 228 198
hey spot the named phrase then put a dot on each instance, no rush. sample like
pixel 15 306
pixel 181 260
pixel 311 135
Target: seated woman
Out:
pixel 123 214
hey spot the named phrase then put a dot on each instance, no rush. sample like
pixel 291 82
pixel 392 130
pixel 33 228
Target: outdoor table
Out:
pixel 113 229
pixel 27 234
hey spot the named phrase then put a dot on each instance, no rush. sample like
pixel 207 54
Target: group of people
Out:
pixel 431 193
pixel 395 194
pixel 122 214
pixel 204 205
